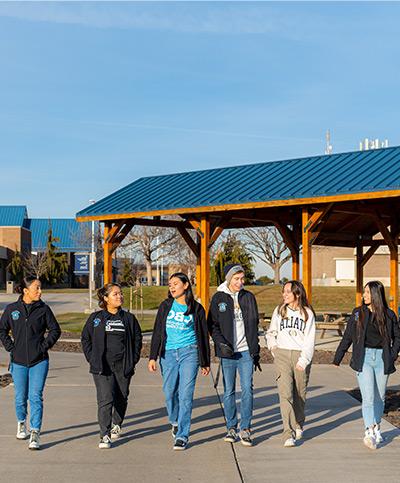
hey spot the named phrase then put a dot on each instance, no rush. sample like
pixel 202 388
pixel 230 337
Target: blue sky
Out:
pixel 95 95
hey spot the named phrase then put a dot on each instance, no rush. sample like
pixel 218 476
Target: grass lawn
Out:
pixel 340 299
pixel 74 322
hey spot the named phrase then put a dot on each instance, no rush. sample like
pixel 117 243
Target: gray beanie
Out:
pixel 231 269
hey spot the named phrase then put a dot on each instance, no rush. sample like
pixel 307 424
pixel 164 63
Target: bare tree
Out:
pixel 268 246
pixel 153 243
pixel 36 265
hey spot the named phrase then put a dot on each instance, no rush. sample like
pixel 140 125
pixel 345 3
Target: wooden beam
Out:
pixel 359 274
pixel 198 268
pixel 307 247
pixel 189 240
pixel 218 229
pixel 318 216
pixel 368 254
pixel 387 236
pixel 394 266
pixel 394 279
pixel 117 239
pixel 205 262
pixel 374 195
pixel 296 265
pixel 107 254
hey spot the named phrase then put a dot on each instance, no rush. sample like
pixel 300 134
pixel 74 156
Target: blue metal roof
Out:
pixel 73 236
pixel 13 215
pixel 311 177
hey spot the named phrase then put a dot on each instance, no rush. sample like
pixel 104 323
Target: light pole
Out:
pixel 91 271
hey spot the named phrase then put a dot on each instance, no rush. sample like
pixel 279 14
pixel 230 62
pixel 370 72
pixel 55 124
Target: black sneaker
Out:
pixel 231 436
pixel 174 430
pixel 245 438
pixel 180 444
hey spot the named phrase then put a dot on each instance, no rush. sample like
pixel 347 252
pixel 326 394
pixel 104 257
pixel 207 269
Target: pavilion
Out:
pixel 347 199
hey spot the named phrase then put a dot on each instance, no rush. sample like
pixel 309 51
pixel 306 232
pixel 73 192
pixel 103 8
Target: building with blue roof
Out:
pixel 27 235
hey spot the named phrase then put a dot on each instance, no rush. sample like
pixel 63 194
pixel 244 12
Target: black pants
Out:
pixel 112 396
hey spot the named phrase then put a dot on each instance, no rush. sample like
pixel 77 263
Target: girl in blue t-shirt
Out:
pixel 180 339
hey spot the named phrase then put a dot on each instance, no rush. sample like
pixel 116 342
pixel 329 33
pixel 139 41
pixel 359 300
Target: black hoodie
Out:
pixel 94 336
pixel 28 325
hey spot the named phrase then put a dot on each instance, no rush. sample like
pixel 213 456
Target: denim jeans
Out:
pixel 372 382
pixel 179 368
pixel 243 363
pixel 28 385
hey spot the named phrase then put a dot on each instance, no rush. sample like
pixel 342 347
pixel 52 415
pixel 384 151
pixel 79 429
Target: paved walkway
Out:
pixel 332 450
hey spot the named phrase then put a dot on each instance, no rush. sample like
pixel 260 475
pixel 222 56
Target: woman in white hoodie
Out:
pixel 291 340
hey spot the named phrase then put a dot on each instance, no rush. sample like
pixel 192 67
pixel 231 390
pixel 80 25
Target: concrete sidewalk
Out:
pixel 331 451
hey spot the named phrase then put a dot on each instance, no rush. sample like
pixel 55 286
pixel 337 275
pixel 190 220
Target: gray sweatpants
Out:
pixel 292 387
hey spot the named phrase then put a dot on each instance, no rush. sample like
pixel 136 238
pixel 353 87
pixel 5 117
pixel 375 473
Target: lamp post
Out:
pixel 91 269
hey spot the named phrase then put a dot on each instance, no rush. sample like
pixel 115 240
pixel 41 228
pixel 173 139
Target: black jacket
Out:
pixel 94 335
pixel 28 344
pixel 390 347
pixel 159 337
pixel 221 319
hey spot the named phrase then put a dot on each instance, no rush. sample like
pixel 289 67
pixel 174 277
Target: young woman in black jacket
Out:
pixel 111 342
pixel 374 331
pixel 27 320
pixel 180 339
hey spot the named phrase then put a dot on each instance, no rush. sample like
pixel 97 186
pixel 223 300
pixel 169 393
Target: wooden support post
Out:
pixel 107 254
pixel 359 274
pixel 295 265
pixel 204 262
pixel 198 271
pixel 394 279
pixel 394 266
pixel 306 243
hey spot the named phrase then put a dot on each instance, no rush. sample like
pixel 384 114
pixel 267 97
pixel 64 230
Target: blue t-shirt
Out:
pixel 180 327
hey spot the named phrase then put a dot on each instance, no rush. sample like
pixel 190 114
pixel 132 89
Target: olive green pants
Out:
pixel 292 387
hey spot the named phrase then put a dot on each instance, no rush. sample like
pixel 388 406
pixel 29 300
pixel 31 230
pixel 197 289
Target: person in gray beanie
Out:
pixel 233 325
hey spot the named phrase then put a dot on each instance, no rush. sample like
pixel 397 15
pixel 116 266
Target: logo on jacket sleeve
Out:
pixel 222 307
pixel 96 322
pixel 15 315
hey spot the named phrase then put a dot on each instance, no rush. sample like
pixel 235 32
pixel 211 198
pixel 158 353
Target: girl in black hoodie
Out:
pixel 111 342
pixel 27 320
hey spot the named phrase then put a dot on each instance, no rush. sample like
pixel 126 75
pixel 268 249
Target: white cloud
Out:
pixel 200 17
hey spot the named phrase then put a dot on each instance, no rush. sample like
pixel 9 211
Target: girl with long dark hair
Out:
pixel 111 342
pixel 291 339
pixel 28 320
pixel 180 339
pixel 373 330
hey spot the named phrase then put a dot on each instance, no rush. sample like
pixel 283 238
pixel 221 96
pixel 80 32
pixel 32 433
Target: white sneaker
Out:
pixel 377 433
pixel 299 433
pixel 289 443
pixel 115 432
pixel 369 438
pixel 22 433
pixel 105 442
pixel 34 442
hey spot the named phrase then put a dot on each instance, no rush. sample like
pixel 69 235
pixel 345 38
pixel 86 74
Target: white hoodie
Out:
pixel 239 336
pixel 293 333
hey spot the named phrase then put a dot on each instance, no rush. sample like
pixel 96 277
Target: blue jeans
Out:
pixel 243 363
pixel 372 382
pixel 179 368
pixel 28 385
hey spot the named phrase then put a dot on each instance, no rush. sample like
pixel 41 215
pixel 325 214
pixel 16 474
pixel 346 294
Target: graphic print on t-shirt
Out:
pixel 179 327
pixel 115 326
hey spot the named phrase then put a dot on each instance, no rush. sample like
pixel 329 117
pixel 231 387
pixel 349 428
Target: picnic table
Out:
pixel 333 321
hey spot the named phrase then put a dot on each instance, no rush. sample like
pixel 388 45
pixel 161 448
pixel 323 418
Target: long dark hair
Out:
pixel 105 292
pixel 189 298
pixel 379 308
pixel 25 282
pixel 298 290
